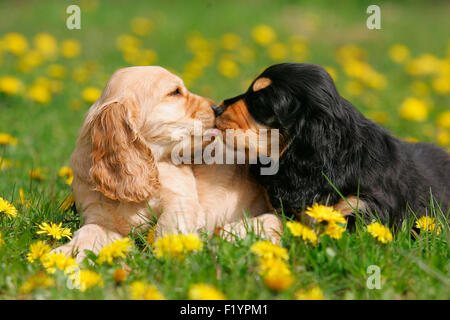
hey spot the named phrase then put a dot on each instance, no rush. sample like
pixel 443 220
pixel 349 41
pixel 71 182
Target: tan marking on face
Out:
pixel 261 83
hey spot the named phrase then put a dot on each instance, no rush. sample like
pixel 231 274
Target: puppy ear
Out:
pixel 123 167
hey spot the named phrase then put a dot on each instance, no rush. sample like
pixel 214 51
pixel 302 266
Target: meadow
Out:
pixel 399 76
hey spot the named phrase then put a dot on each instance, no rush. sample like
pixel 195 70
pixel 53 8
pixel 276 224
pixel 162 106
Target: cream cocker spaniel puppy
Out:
pixel 124 174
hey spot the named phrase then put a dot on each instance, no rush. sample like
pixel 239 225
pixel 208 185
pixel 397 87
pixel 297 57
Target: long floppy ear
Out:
pixel 123 166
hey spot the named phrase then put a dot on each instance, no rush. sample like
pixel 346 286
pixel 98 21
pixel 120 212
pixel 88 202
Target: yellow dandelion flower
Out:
pixel 10 85
pixel 7 208
pixel 30 60
pixel 267 250
pixel 299 230
pixel 314 293
pixel 202 291
pixel 66 172
pixel 334 230
pixel 38 250
pixel 141 26
pixel 7 139
pixel 40 280
pixel 277 51
pixel 332 72
pixel 5 164
pixel 54 261
pixel 70 48
pixel 56 231
pixel 91 94
pixel 117 249
pixel 68 203
pixel 325 213
pixel 276 274
pixel 40 93
pixel 142 291
pixel 443 138
pixel 119 275
pixel 230 41
pixel 380 232
pixel 263 35
pixel 56 71
pixel 426 64
pixel 151 235
pixel 429 224
pixel 1 240
pixel 443 120
pixel 399 53
pixel 441 84
pixel 349 53
pixel 228 68
pixel 414 109
pixel 177 246
pixel 15 43
pixel 47 44
pixel 125 42
pixel 86 279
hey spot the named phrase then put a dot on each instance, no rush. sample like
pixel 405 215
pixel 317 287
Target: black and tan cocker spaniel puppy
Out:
pixel 324 138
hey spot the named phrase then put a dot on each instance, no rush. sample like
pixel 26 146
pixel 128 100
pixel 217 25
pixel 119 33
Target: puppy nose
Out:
pixel 217 110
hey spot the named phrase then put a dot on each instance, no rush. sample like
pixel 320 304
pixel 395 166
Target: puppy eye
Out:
pixel 176 92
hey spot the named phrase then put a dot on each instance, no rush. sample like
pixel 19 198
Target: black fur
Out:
pixel 328 136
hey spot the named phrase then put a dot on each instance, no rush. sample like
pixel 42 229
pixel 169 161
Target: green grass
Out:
pixel 411 267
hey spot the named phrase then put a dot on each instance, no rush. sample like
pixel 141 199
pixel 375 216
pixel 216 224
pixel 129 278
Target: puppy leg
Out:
pixel 348 208
pixel 89 237
pixel 268 226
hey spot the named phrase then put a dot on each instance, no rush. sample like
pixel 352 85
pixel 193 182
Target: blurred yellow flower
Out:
pixel 443 138
pixel 7 139
pixel 151 235
pixel 30 60
pixel 267 250
pixel 441 84
pixel 228 68
pixel 414 109
pixel 177 245
pixel 38 250
pixel 126 42
pixel 139 57
pixel 66 172
pixel 299 230
pixel 56 231
pixel 40 280
pixel 37 174
pixel 429 224
pixel 56 71
pixel 23 199
pixel 334 230
pixel 332 72
pixel 277 51
pixel 117 249
pixel 1 240
pixel 10 85
pixel 142 291
pixel 91 94
pixel 423 65
pixel 350 52
pixel 141 26
pixel 7 208
pixel 263 35
pixel 276 274
pixel 119 275
pixel 40 93
pixel 411 139
pixel 70 48
pixel 15 43
pixel 379 117
pixel 314 293
pixel 380 232
pixel 230 41
pixel 5 163
pixel 46 44
pixel 325 213
pixel 420 88
pixel 443 120
pixel 202 291
pixel 53 261
pixel 399 53
pixel 86 279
